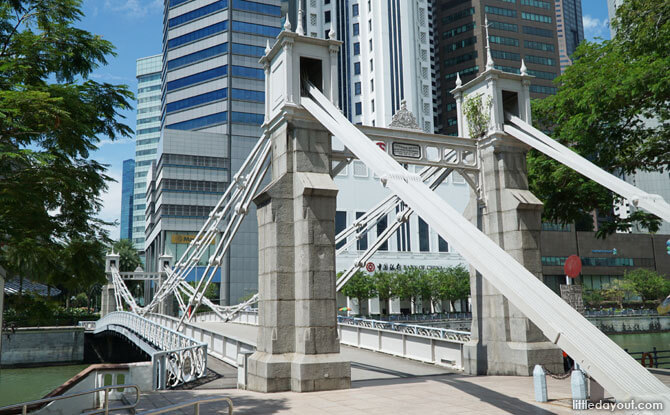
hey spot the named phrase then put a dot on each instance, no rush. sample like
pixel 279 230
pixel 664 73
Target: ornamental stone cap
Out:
pixel 404 118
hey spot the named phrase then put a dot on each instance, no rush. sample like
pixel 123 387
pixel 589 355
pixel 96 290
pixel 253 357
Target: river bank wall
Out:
pixel 606 324
pixel 35 346
pixel 631 324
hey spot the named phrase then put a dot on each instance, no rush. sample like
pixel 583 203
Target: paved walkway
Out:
pixel 381 389
pixel 439 394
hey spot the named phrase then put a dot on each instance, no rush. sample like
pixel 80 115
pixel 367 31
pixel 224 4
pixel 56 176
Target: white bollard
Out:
pixel 578 385
pixel 540 384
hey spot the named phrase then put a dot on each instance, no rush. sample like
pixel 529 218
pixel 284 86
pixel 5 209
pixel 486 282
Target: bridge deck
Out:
pixel 365 364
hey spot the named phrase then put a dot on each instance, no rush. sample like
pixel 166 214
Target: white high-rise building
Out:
pixel 147 136
pixel 386 56
pixel 385 59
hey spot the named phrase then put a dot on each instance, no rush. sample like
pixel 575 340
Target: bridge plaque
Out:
pixel 412 151
pixel 572 294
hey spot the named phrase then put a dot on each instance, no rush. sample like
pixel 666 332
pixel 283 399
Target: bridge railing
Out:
pixel 224 346
pixel 428 344
pixel 620 313
pixel 176 358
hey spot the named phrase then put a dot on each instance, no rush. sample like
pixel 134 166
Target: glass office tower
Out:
pixel 147 135
pixel 212 108
pixel 127 181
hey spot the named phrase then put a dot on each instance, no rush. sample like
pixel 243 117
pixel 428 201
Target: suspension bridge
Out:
pixel 294 337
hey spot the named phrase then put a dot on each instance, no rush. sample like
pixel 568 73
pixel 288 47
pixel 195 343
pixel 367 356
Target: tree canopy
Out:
pixel 451 284
pixel 648 284
pixel 129 258
pixel 51 118
pixel 360 286
pixel 612 108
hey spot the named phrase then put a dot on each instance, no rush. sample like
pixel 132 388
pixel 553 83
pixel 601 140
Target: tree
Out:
pixel 602 108
pixel 412 283
pixel 592 298
pixel 129 258
pixel 650 285
pixel 360 286
pixel 383 284
pixel 618 290
pixel 451 284
pixel 51 117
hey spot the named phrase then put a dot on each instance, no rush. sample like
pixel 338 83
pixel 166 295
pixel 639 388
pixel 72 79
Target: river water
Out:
pixel 644 342
pixel 21 385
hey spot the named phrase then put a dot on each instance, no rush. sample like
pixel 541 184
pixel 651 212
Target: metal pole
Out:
pixel 2 304
pixel 197 408
pixel 106 401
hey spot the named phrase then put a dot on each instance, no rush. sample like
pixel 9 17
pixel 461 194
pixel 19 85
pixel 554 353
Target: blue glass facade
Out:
pixel 213 93
pixel 127 190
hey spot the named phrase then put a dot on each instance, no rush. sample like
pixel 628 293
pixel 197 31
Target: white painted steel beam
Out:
pixel 535 138
pixel 606 362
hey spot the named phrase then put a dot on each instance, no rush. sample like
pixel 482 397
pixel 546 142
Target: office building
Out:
pixel 211 113
pixel 518 29
pixel 569 29
pixel 611 13
pixel 183 187
pixel 127 180
pixel 603 260
pixel 147 135
pixel 385 58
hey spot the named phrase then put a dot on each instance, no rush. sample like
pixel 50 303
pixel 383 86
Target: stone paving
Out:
pixel 385 385
pixel 438 394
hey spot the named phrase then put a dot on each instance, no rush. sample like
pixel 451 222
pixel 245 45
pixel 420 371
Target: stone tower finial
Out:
pixel 524 69
pixel 489 58
pixel 267 46
pixel 299 29
pixel 458 80
pixel 287 24
pixel 331 34
pixel 404 118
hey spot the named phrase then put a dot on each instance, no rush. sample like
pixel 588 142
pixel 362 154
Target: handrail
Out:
pixel 195 403
pixel 105 406
pixel 456 336
pixel 176 357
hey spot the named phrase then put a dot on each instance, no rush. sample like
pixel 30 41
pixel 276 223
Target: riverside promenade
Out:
pixel 385 385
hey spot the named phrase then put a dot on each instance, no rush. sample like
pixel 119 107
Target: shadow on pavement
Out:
pixel 264 404
pixel 499 400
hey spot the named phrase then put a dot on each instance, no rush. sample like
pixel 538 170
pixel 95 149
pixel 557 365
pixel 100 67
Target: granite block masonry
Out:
pixel 298 347
pixel 504 341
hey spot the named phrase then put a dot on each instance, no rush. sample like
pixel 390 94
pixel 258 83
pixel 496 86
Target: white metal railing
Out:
pixel 223 346
pixel 102 409
pixel 427 344
pixel 176 358
pixel 249 317
pixel 434 332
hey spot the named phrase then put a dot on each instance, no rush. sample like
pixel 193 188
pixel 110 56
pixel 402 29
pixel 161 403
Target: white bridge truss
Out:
pixel 606 362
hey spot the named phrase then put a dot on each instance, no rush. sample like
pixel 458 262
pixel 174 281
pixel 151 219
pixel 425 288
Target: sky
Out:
pixel 135 29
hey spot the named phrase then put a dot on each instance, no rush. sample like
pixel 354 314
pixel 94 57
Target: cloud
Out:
pixel 593 27
pixel 111 203
pixel 134 9
pixel 107 141
pixel 108 77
